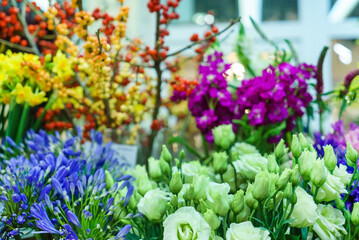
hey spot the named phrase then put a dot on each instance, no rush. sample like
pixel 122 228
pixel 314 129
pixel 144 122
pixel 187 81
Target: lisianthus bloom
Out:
pixel 218 198
pixel 242 148
pixel 245 231
pixel 329 224
pixel 249 165
pixel 333 186
pixel 304 213
pixel 153 204
pixel 186 224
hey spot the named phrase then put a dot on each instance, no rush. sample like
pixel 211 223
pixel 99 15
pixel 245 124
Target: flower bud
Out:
pixel 250 201
pixel 178 163
pixel 351 155
pixel 261 188
pixel 174 201
pixel 108 179
pixel 223 136
pixel 355 214
pixel 296 147
pixel 144 185
pixel 212 219
pixel 176 183
pixel 306 161
pixel 229 178
pixel 220 162
pixel 243 215
pixel 154 169
pixel 294 198
pixel 279 150
pixel 165 154
pixel 295 178
pixel 165 167
pixel 288 191
pixel 319 173
pixel 189 193
pixel 330 160
pixel 303 141
pixel 272 164
pixel 237 204
pixel 182 154
pixel 283 179
pixel 340 203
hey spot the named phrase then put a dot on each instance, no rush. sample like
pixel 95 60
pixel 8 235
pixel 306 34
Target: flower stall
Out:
pixel 242 151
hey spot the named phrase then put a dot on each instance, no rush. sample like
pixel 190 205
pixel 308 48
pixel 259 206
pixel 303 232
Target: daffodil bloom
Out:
pixel 22 93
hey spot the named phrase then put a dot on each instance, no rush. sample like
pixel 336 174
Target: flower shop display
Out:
pixel 72 83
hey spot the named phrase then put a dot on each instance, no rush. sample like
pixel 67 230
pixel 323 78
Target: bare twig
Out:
pixel 16 46
pixel 204 39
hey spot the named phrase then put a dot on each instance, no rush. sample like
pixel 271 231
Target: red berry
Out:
pixel 194 37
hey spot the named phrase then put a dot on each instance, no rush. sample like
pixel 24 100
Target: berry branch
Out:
pixel 204 39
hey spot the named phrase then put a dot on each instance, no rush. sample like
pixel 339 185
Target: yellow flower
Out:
pixel 37 99
pixel 62 65
pixel 22 93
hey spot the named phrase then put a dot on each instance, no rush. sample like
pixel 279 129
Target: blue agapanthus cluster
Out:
pixel 56 185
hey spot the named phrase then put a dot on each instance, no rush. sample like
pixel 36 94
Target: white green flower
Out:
pixel 330 223
pixel 246 231
pixel 241 148
pixel 304 213
pixel 186 224
pixel 331 189
pixel 194 168
pixel 218 198
pixel 250 164
pixel 341 172
pixel 153 204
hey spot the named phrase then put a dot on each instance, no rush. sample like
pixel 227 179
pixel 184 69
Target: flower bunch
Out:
pixel 280 94
pixel 29 81
pixel 237 193
pixel 62 187
pixel 211 102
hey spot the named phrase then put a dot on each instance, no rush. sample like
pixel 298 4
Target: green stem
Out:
pixel 23 121
pixel 47 107
pixel 14 115
pixel 205 146
pixel 235 177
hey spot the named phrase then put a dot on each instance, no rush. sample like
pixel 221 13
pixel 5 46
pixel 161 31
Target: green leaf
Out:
pixel 131 236
pixel 263 35
pixel 275 130
pixel 293 237
pixel 183 141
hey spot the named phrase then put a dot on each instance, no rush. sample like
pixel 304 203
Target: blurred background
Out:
pixel 308 24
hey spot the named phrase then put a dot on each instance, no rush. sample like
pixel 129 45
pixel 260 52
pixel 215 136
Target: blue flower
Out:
pixel 70 234
pixel 121 235
pixel 43 221
pixel 73 219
